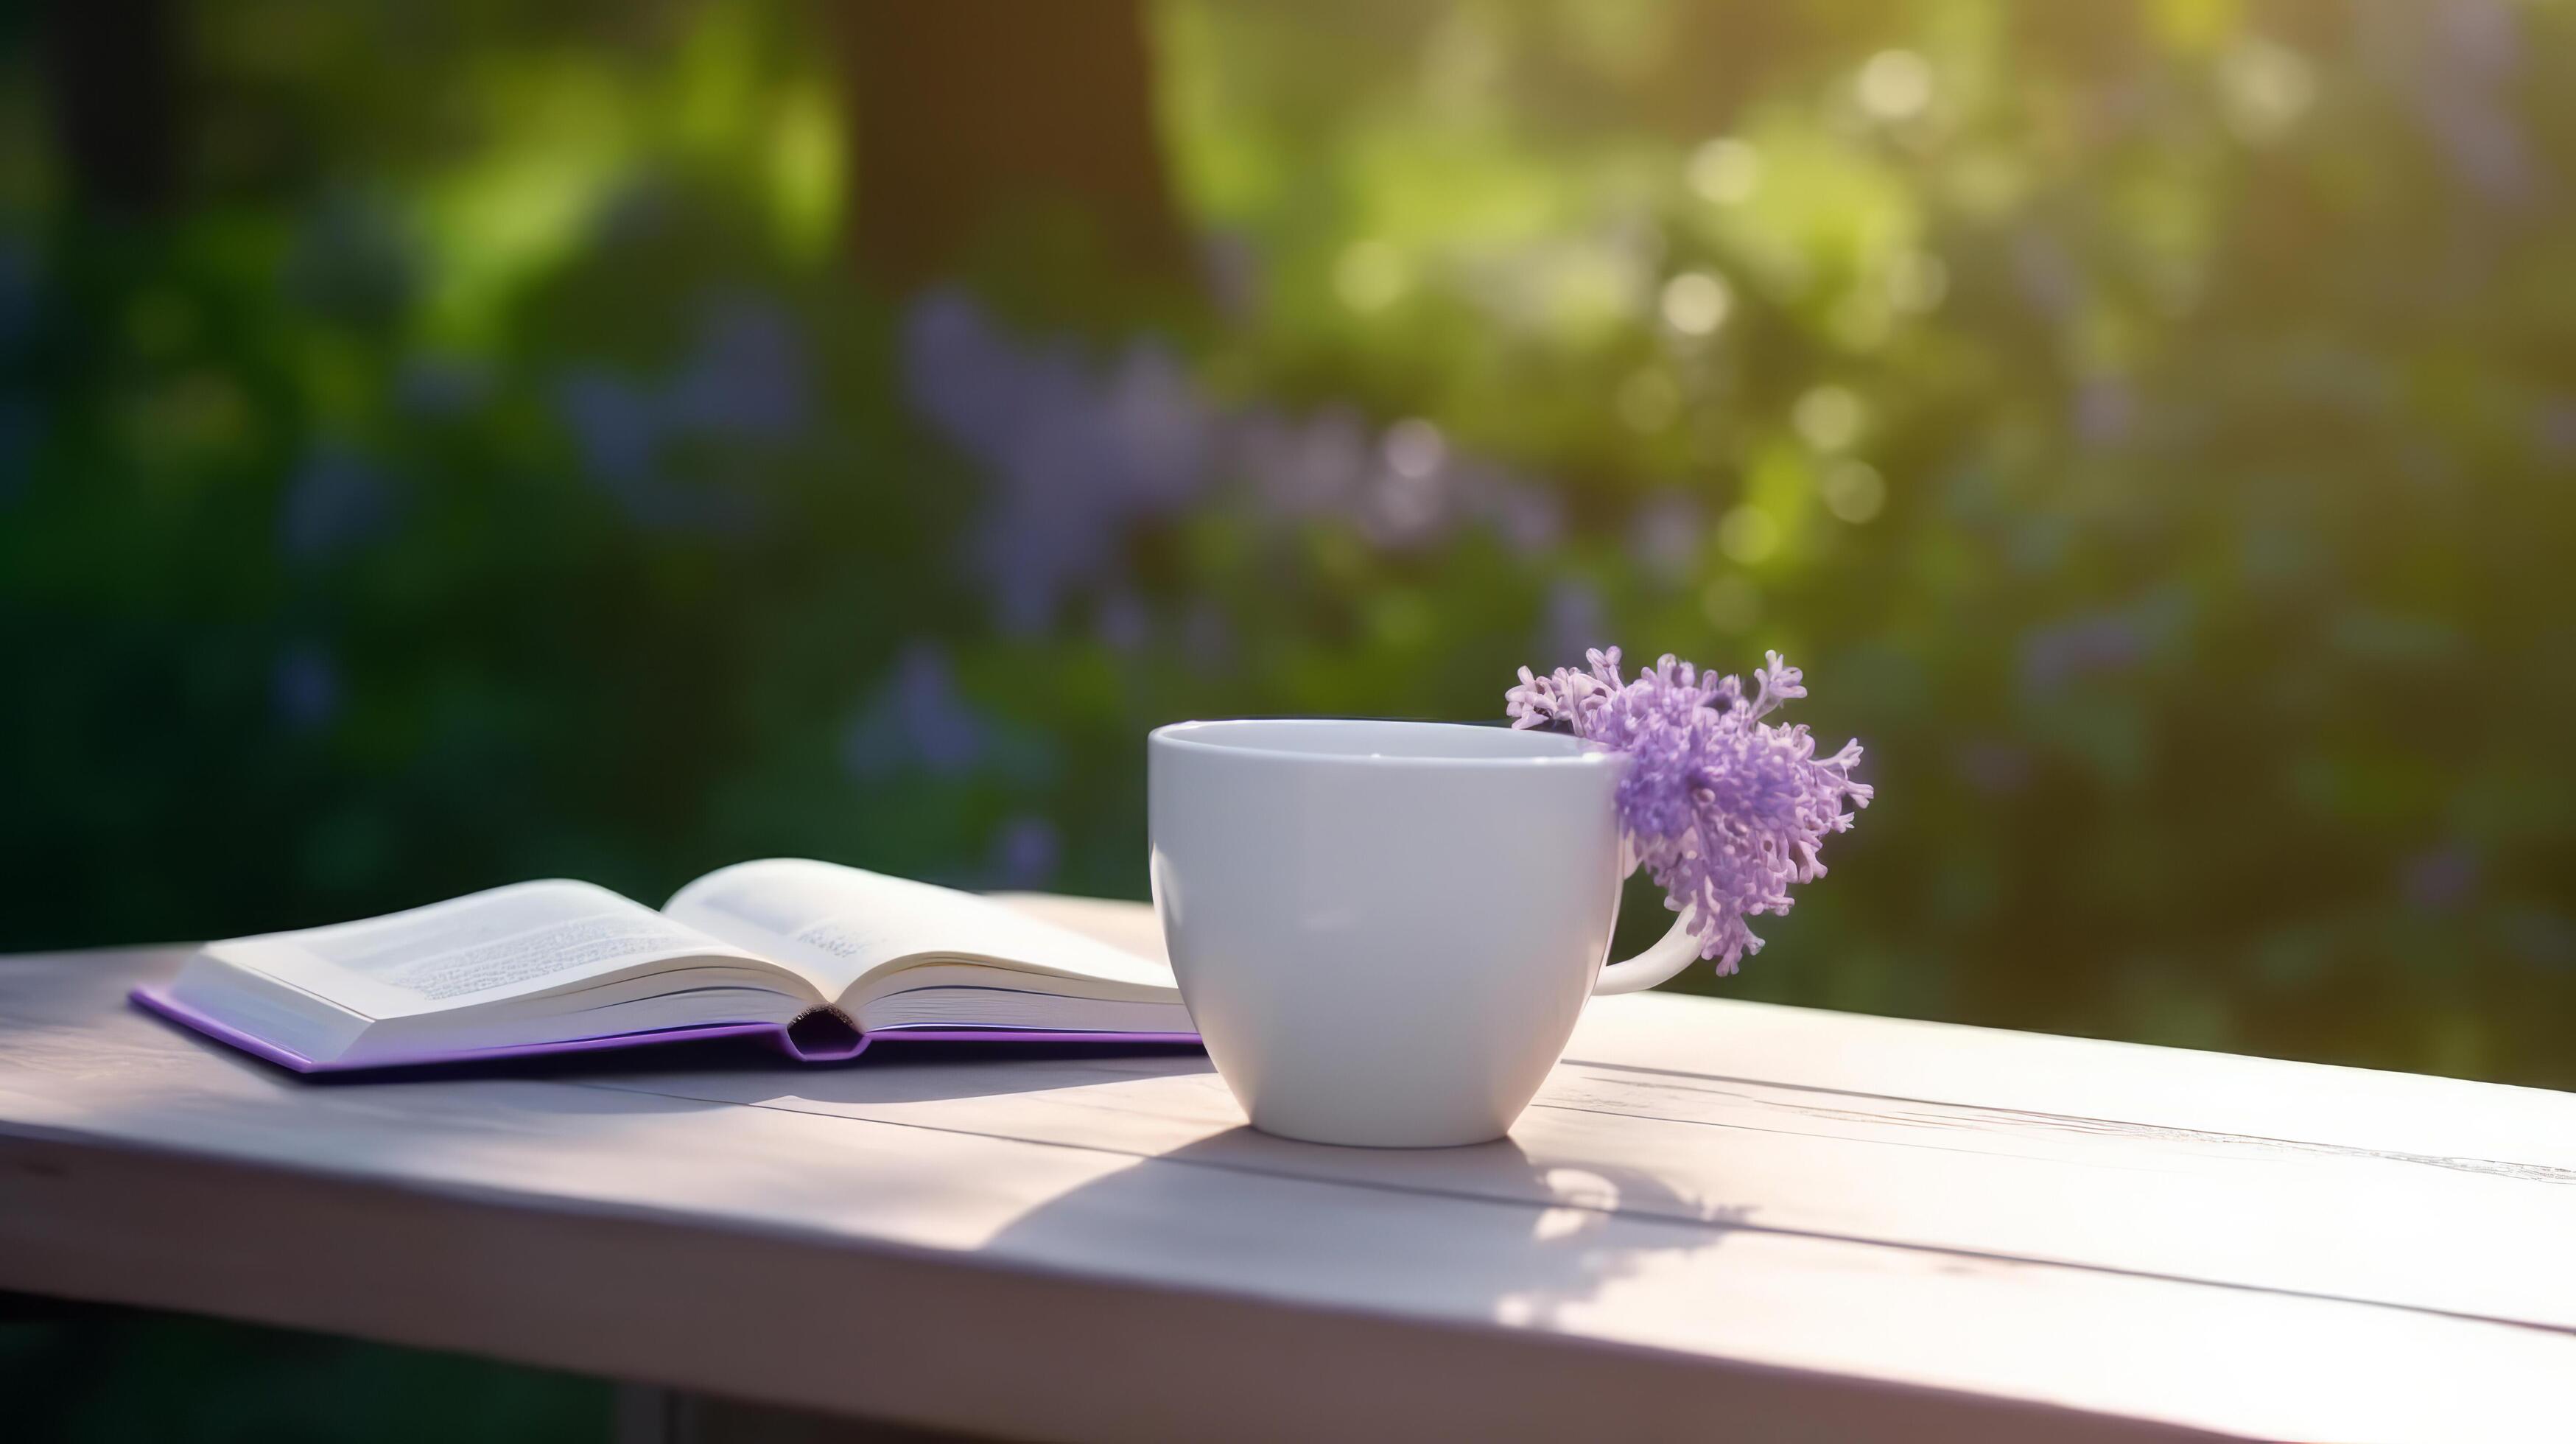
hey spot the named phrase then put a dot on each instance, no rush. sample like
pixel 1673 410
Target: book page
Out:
pixel 483 948
pixel 839 924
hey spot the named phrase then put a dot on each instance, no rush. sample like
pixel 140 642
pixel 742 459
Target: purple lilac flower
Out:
pixel 1724 810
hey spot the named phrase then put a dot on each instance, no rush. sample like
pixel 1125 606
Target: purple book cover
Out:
pixel 777 1035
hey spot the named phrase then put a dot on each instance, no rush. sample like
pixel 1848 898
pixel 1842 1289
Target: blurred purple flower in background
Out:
pixel 1207 643
pixel 1075 460
pixel 1303 468
pixel 2556 425
pixel 304 687
pixel 916 719
pixel 1232 271
pixel 1122 623
pixel 615 426
pixel 438 387
pixel 1664 536
pixel 1575 615
pixel 2455 61
pixel 2054 655
pixel 2046 275
pixel 746 376
pixel 336 500
pixel 1725 810
pixel 1404 489
pixel 2440 880
pixel 1026 853
pixel 745 381
pixel 1998 768
pixel 1080 457
pixel 2542 937
pixel 1409 491
pixel 1527 516
pixel 2155 623
pixel 2106 410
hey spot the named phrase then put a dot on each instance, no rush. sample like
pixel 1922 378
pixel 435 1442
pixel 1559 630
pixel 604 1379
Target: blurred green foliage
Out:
pixel 448 444
pixel 2151 424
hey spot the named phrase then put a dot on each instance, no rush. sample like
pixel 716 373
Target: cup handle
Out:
pixel 1667 958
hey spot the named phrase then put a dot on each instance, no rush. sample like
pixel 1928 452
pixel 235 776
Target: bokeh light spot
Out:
pixel 2264 88
pixel 1895 85
pixel 1370 276
pixel 1748 535
pixel 1415 448
pixel 1696 303
pixel 1725 171
pixel 1828 418
pixel 1854 491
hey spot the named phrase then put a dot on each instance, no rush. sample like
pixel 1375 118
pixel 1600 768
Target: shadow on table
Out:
pixel 911 1072
pixel 1498 1231
pixel 1493 1230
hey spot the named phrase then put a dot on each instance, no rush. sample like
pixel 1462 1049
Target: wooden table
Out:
pixel 1719 1220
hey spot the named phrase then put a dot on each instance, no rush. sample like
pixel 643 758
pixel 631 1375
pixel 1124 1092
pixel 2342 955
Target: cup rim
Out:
pixel 1193 737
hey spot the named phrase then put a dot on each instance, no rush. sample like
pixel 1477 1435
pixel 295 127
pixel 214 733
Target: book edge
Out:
pixel 155 999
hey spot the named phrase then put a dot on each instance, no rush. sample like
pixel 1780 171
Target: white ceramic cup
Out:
pixel 1386 930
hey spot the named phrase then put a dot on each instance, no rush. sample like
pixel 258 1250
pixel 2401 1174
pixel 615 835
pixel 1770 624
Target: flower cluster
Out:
pixel 1082 453
pixel 1725 810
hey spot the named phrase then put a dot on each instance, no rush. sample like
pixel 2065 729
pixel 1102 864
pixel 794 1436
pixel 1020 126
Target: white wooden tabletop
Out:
pixel 1719 1219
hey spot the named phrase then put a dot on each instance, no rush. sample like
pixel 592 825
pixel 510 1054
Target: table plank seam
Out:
pixel 1797 1133
pixel 1653 1217
pixel 2491 1167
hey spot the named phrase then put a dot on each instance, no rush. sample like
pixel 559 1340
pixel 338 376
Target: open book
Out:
pixel 815 956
